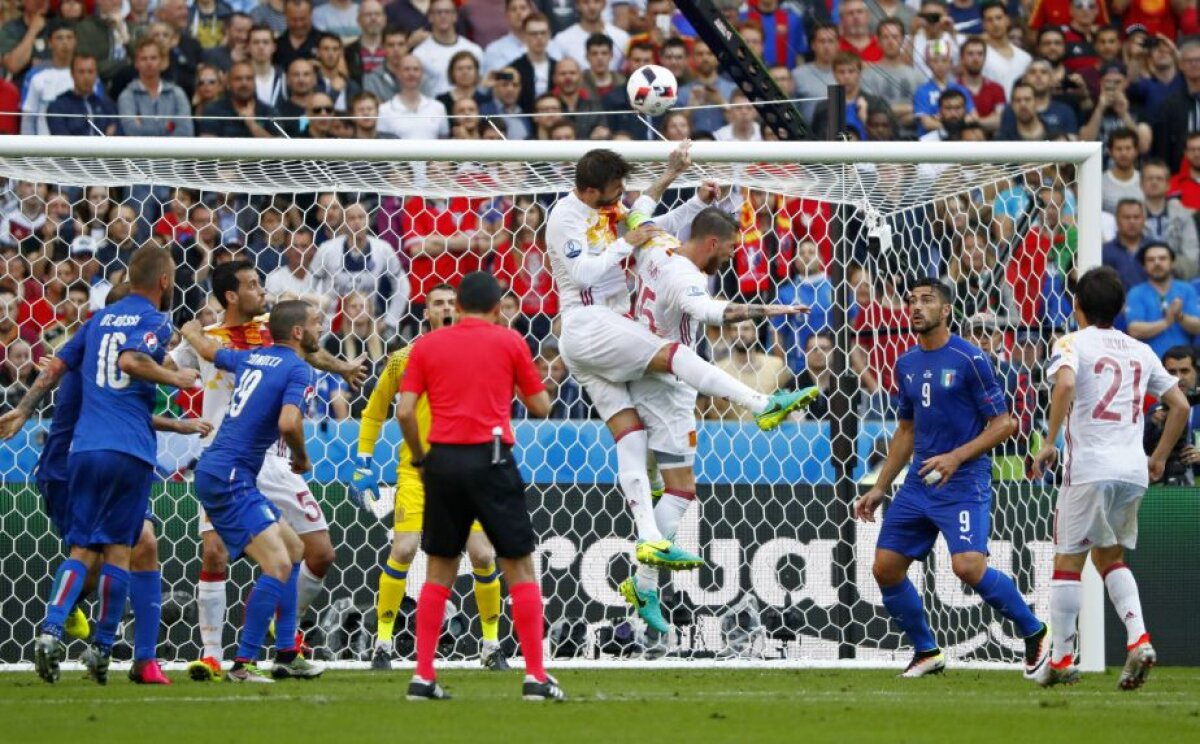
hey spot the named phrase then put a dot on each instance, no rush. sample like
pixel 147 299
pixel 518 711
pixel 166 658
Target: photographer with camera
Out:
pixel 1112 111
pixel 1183 464
pixel 1069 86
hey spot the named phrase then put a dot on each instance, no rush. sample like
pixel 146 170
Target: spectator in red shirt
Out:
pixel 855 33
pixel 1080 35
pixel 437 239
pixel 1026 267
pixel 987 95
pixel 1158 16
pixel 173 224
pixel 1186 184
pixel 529 267
pixel 1058 13
pixel 883 334
pixel 10 108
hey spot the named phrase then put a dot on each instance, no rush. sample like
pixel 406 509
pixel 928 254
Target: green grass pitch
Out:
pixel 670 705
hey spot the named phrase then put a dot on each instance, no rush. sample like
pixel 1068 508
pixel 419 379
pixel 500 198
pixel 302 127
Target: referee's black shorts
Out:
pixel 462 485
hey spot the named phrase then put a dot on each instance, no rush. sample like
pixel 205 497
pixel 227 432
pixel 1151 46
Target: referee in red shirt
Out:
pixel 469 371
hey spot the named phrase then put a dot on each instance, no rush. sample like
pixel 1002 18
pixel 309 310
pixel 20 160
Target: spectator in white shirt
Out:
pixel 1006 62
pixel 49 81
pixel 502 51
pixel 296 276
pixel 443 43
pixel 338 17
pixel 410 114
pixel 356 261
pixel 743 121
pixel 572 42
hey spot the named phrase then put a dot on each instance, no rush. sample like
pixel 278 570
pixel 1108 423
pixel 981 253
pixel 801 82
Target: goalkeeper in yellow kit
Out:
pixel 410 507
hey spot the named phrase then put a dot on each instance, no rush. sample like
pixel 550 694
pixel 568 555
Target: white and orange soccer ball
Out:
pixel 652 90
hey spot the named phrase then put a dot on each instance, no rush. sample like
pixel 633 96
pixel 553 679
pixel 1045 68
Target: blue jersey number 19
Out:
pixel 245 387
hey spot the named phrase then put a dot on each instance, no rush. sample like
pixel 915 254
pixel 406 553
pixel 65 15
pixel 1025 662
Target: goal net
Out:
pixel 844 227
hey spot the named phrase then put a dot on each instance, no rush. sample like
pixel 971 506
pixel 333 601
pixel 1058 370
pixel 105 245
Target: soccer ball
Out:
pixel 652 90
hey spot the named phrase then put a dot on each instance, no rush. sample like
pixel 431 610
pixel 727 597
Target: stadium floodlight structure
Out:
pixel 1005 222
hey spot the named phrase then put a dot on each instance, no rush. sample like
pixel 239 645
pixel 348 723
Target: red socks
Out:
pixel 431 609
pixel 528 622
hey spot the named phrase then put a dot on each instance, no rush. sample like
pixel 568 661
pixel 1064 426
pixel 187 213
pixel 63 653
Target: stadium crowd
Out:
pixel 1123 72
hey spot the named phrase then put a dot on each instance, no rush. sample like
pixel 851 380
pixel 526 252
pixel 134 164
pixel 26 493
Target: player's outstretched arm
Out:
pixel 538 404
pixel 182 425
pixel 900 451
pixel 142 366
pixel 1060 403
pixel 1177 416
pixel 353 371
pixel 736 313
pixel 678 162
pixel 291 429
pixel 204 345
pixel 47 380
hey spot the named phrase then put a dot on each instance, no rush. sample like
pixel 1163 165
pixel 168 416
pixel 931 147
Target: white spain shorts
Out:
pixel 1096 515
pixel 289 493
pixel 667 406
pixel 605 350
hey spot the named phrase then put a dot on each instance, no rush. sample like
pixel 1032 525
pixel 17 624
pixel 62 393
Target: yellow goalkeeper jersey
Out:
pixel 376 412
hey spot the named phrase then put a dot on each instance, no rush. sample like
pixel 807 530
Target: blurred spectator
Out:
pixel 1020 122
pixel 882 333
pixel 207 20
pixel 1168 220
pixel 235 43
pixel 384 81
pixel 10 332
pixel 847 69
pixel 975 275
pixel 1080 34
pixel 331 79
pixel 1180 362
pixel 464 81
pixel 783 30
pixel 743 123
pixel 1112 111
pixel 1006 62
pixel 925 100
pixel 933 26
pixel 818 348
pixel 568 80
pixel 535 66
pixel 151 106
pixel 952 109
pixel 357 332
pixel 182 51
pixel 892 78
pixel 1154 74
pixel 329 217
pixel 1056 114
pixel 210 88
pixel 600 78
pixel 748 363
pixel 268 240
pixel 572 41
pixel 69 317
pixel 356 261
pixel 1070 88
pixel 502 51
pixel 292 104
pixel 46 82
pixel 506 91
pixel 10 107
pixel 444 41
pixel 1121 253
pixel 295 276
pixel 566 398
pixel 364 112
pixel 300 39
pixel 114 254
pixel 1121 180
pixel 173 224
pixel 83 111
pixel 855 31
pixel 410 114
pixel 17 373
pixel 1059 12
pixel 809 285
pixel 268 79
pixel 320 116
pixel 548 112
pixel 270 13
pixel 812 78
pixel 436 236
pixel 1186 183
pixel 1162 311
pixel 987 96
pixel 239 113
pixel 366 54
pixel 467 123
pixel 1025 269
pixel 23 40
pixel 337 17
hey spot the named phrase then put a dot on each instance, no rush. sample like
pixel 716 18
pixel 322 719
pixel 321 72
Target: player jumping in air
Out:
pixel 1101 377
pixel 672 300
pixel 111 465
pixel 952 415
pixel 604 349
pixel 410 507
pixel 237 287
pixel 274 386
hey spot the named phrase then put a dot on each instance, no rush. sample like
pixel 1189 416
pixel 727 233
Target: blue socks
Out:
pixel 905 606
pixel 286 621
pixel 145 592
pixel 998 590
pixel 112 591
pixel 68 585
pixel 268 592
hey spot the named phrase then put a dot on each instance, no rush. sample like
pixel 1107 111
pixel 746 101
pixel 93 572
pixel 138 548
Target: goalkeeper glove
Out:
pixel 363 483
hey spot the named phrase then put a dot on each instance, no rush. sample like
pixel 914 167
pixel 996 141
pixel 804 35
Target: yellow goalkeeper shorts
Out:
pixel 410 505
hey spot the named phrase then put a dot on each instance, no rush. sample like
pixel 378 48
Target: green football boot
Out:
pixel 668 555
pixel 647 605
pixel 783 403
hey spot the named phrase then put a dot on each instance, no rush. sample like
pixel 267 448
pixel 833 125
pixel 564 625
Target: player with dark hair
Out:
pixel 409 509
pixel 1101 378
pixel 111 465
pixel 952 415
pixel 467 372
pixel 273 389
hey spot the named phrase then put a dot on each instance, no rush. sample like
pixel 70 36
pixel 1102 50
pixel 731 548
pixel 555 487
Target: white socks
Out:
pixel 1066 596
pixel 667 513
pixel 1123 592
pixel 631 474
pixel 308 587
pixel 708 380
pixel 210 601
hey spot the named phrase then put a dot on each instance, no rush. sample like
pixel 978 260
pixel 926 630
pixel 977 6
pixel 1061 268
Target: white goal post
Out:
pixel 773 526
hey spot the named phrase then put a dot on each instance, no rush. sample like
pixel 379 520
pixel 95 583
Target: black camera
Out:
pixel 1152 41
pixel 1175 471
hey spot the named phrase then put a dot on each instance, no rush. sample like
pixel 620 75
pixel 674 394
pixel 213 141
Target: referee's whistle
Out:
pixel 497 432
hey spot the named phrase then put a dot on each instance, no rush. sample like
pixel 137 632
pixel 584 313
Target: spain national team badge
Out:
pixel 947 378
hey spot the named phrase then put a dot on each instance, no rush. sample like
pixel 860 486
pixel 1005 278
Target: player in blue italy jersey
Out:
pixel 111 465
pixel 145 591
pixel 952 414
pixel 273 389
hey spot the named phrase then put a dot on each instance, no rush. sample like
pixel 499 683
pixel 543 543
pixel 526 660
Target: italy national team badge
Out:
pixel 947 378
pixel 150 340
